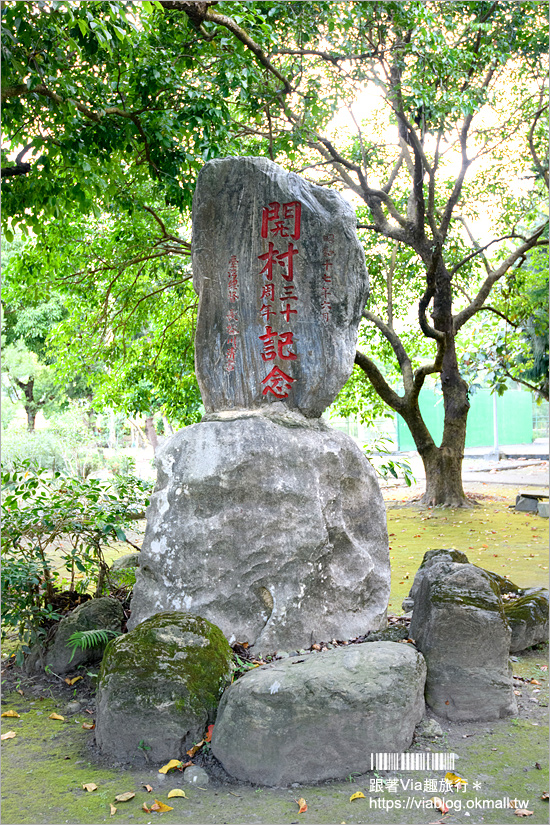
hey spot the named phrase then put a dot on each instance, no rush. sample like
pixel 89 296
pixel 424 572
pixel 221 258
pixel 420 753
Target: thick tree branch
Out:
pixel 396 344
pixel 462 317
pixel 396 402
pixel 240 34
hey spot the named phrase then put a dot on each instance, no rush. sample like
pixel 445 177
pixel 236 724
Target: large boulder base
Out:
pixel 159 687
pixel 459 625
pixel 275 256
pixel 528 618
pixel 320 716
pixel 272 528
pixel 97 614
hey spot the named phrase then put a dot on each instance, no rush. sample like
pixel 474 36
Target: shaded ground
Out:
pixel 48 761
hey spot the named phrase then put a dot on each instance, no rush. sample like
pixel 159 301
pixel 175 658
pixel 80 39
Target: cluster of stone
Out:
pixel 264 520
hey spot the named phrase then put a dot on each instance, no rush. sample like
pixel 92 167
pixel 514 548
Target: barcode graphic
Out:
pixel 412 761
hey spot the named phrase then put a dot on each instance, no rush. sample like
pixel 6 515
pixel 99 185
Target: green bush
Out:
pixel 52 521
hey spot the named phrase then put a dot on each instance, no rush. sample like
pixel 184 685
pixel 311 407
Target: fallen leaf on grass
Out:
pixel 173 763
pixel 73 681
pixel 9 735
pixel 12 714
pixel 439 804
pixel 57 717
pixel 20 692
pixel 88 725
pixel 358 795
pixel 124 797
pixel 545 796
pixel 113 809
pixel 209 733
pixel 456 780
pixel 176 792
pixel 145 808
pixel 533 682
pixel 192 751
pixel 90 786
pixel 523 812
pixel 302 805
pixel 148 788
pixel 160 807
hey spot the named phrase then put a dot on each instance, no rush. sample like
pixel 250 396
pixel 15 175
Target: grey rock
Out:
pixel 321 717
pixel 73 707
pixel 96 614
pixel 124 562
pixel 196 776
pixel 429 728
pixel 389 634
pixel 542 509
pixel 528 618
pixel 159 687
pixel 311 308
pixel 526 504
pixel 275 533
pixel 459 625
pixel 449 556
pixel 431 557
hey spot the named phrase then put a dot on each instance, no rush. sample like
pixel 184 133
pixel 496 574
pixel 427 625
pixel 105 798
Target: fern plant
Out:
pixel 85 639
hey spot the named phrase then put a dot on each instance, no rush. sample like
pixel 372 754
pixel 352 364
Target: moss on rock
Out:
pixel 159 686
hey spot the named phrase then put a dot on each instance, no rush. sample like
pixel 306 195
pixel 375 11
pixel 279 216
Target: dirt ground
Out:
pixel 46 764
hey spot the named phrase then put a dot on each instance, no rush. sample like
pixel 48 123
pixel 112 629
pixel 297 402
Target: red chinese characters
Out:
pixel 231 318
pixel 281 225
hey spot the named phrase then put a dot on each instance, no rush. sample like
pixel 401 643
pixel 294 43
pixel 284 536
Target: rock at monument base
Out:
pixel 528 618
pixel 320 716
pixel 449 556
pixel 459 625
pixel 97 614
pixel 159 687
pixel 125 562
pixel 270 526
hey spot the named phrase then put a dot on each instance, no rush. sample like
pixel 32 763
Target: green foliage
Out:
pixel 86 639
pixel 55 526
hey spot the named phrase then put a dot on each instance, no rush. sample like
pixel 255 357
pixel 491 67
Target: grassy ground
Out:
pixel 45 765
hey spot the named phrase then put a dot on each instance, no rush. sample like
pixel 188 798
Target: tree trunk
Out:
pixel 443 465
pixel 31 418
pixel 151 432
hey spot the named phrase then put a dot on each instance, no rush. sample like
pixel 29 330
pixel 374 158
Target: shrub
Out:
pixel 52 521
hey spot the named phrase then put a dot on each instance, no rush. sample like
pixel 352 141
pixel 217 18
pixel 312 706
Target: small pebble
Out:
pixel 282 654
pixel 73 707
pixel 195 775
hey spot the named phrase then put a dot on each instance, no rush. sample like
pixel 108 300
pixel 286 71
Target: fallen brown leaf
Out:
pixel 88 725
pixel 11 734
pixel 523 812
pixel 124 797
pixel 90 786
pixel 302 805
pixel 545 796
pixel 57 717
pixel 72 681
pixel 12 714
pixel 196 747
pixel 145 808
pixel 113 809
pixel 160 807
pixel 439 804
pixel 173 763
pixel 176 792
pixel 209 733
pixel 148 788
pixel 20 692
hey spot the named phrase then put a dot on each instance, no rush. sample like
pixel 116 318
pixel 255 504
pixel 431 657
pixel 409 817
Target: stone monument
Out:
pixel 264 520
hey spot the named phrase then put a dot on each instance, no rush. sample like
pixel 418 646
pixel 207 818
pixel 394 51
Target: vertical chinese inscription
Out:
pixel 326 287
pixel 231 317
pixel 281 226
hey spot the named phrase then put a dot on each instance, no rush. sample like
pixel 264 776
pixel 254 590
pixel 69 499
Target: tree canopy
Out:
pixel 444 153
